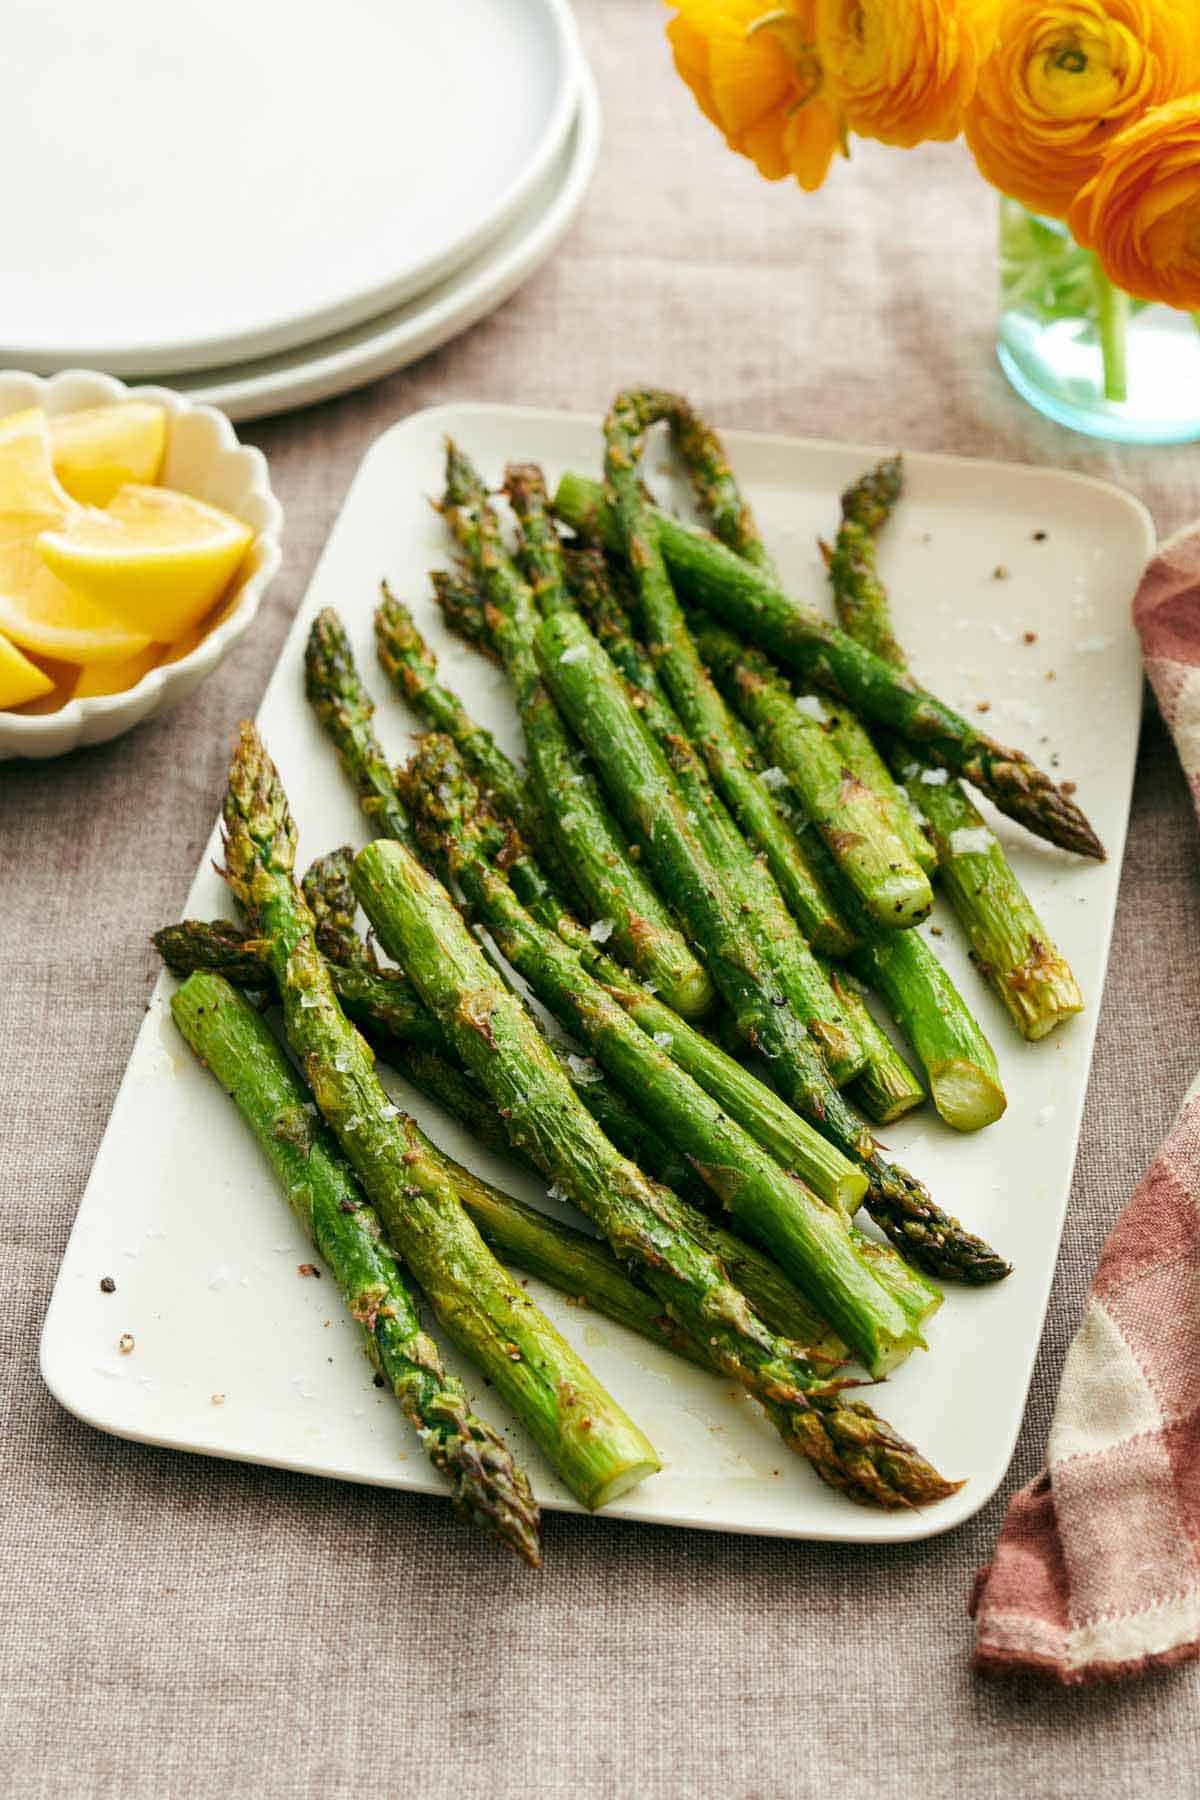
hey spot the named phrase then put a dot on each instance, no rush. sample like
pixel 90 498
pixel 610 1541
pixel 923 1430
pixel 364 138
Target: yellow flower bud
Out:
pixel 903 70
pixel 753 72
pixel 1066 76
pixel 1141 211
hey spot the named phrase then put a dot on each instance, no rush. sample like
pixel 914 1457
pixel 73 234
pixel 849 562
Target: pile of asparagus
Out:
pixel 727 827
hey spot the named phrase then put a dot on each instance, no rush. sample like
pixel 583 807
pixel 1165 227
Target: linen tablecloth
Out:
pixel 175 1626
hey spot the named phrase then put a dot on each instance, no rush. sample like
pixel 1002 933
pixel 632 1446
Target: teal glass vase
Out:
pixel 1082 352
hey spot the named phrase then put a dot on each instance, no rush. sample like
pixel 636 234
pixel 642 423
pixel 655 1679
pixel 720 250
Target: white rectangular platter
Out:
pixel 182 1213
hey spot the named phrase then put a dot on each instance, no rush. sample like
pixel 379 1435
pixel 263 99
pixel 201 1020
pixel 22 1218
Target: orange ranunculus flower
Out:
pixel 903 70
pixel 1140 212
pixel 1065 77
pixel 751 66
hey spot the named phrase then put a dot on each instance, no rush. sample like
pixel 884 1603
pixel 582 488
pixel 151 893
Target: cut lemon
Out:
pixel 28 484
pixel 156 558
pixel 42 614
pixel 115 678
pixel 99 449
pixel 20 679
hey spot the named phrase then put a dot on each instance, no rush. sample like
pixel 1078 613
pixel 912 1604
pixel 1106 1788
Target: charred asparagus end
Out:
pixel 926 1235
pixel 345 709
pixel 716 487
pixel 217 945
pixel 870 501
pixel 260 834
pixel 865 1458
pixel 331 902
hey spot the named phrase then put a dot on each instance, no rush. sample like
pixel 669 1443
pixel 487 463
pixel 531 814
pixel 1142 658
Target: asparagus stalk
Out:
pixel 232 1041
pixel 567 794
pixel 1009 944
pixel 700 705
pixel 884 1086
pixel 736 772
pixel 586 686
pixel 462 603
pixel 330 895
pixel 805 982
pixel 808 1239
pixel 792 1142
pixel 581 1267
pixel 959 1063
pixel 328 890
pixel 345 709
pixel 847 815
pixel 732 519
pixel 769 1119
pixel 862 605
pixel 892 888
pixel 859 755
pixel 721 499
pixel 887 1087
pixel 381 1008
pixel 327 887
pixel 589 1440
pixel 845 1442
pixel 713 577
pixel 411 667
pixel 397 1026
pixel 241 956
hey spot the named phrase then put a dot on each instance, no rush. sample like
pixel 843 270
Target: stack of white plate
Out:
pixel 263 204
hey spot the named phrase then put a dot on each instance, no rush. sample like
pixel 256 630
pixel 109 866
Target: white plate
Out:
pixel 377 347
pixel 214 179
pixel 182 1213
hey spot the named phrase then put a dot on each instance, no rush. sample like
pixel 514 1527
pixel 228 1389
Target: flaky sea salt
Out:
pixel 600 930
pixel 582 1067
pixel 970 840
pixel 389 1111
pixel 575 654
pixel 811 707
pixel 935 777
pixel 774 778
pixel 663 1039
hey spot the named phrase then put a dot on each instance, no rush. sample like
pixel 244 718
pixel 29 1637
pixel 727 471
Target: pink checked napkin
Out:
pixel 1096 1573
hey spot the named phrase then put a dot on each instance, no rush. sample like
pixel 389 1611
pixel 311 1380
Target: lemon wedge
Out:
pixel 20 679
pixel 42 614
pixel 97 450
pixel 28 484
pixel 114 678
pixel 155 558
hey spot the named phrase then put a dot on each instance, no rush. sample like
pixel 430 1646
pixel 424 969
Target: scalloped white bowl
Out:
pixel 204 459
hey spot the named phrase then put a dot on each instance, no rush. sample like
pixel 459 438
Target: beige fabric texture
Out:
pixel 172 1626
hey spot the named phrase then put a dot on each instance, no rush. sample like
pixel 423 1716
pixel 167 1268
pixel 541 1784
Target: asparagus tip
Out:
pixel 855 1451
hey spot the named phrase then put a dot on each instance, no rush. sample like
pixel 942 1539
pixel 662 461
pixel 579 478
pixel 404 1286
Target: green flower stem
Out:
pixel 1113 309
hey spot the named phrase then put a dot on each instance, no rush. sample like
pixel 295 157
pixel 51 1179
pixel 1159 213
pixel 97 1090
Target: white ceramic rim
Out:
pixel 273 338
pixel 266 548
pixel 381 346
